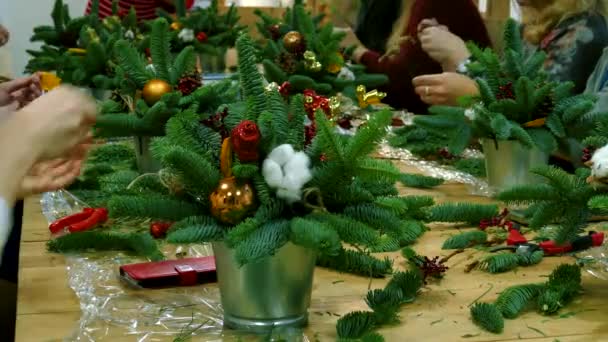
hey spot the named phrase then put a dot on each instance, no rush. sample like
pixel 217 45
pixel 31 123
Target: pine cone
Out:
pixel 505 92
pixel 188 84
pixel 545 108
pixel 287 62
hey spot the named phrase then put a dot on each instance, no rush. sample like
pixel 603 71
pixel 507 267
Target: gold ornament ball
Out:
pixel 293 41
pixel 232 201
pixel 154 90
pixel 175 26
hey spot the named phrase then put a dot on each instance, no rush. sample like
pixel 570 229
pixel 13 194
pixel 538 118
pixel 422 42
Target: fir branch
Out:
pixel 196 234
pixel 357 263
pixel 531 259
pixel 488 317
pixel 140 244
pixel 315 236
pixel 501 262
pixel 465 240
pixel 241 232
pixel 462 212
pixel 160 49
pixel 356 324
pixel 151 207
pixel 526 194
pixel 367 138
pixel 420 181
pixel 264 242
pixel 513 300
pixel 251 80
pixel 350 231
pixel 198 175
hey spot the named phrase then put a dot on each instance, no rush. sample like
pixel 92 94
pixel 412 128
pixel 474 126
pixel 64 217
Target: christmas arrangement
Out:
pixel 80 50
pixel 516 103
pixel 566 201
pixel 305 53
pixel 210 32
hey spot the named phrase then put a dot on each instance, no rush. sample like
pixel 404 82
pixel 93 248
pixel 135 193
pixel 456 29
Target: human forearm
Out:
pixel 18 152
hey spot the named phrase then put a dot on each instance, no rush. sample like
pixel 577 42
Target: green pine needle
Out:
pixel 356 324
pixel 151 207
pixel 357 263
pixel 531 259
pixel 501 262
pixel 488 317
pixel 316 236
pixel 462 212
pixel 263 243
pixel 465 240
pixel 420 181
pixel 513 300
pixel 196 234
pixel 141 244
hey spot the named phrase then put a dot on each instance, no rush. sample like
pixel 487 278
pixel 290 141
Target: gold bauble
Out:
pixel 175 26
pixel 232 201
pixel 293 41
pixel 154 90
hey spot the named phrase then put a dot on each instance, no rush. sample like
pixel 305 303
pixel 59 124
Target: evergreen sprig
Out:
pixel 465 240
pixel 462 212
pixel 141 244
pixel 385 303
pixel 488 317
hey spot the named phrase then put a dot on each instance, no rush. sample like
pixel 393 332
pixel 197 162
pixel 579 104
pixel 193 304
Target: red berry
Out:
pixel 202 37
pixel 159 229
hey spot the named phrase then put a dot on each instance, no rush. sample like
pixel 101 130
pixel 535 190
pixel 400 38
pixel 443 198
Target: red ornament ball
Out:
pixel 246 140
pixel 159 229
pixel 313 102
pixel 202 37
pixel 285 89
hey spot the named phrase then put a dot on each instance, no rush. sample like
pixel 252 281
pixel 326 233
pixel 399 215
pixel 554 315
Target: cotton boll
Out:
pixel 346 74
pixel 599 161
pixel 186 35
pixel 291 196
pixel 282 154
pixel 129 35
pixel 272 172
pixel 299 162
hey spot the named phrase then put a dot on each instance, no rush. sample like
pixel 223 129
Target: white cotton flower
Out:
pixel 287 171
pixel 186 35
pixel 129 35
pixel 599 163
pixel 282 154
pixel 346 74
pixel 470 114
pixel 272 172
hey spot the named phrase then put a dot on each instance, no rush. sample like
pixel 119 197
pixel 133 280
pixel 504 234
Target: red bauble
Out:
pixel 123 13
pixel 275 32
pixel 159 229
pixel 310 131
pixel 245 141
pixel 505 92
pixel 345 123
pixel 313 102
pixel 285 89
pixel 202 37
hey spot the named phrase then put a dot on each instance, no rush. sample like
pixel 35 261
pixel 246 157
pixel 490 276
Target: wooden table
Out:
pixel 48 310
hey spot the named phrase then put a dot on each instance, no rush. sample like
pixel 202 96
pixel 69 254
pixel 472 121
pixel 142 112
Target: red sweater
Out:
pixel 463 19
pixel 145 9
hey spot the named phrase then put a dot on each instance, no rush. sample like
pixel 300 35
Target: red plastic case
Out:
pixel 171 273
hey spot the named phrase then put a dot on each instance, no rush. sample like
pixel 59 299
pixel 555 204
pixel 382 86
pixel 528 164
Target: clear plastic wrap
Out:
pixel 476 186
pixel 595 261
pixel 112 310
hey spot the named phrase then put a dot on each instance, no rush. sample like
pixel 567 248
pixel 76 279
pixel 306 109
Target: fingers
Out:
pixel 51 178
pixel 428 80
pixel 426 23
pixel 16 84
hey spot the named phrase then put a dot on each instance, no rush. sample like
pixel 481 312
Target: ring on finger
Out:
pixel 426 91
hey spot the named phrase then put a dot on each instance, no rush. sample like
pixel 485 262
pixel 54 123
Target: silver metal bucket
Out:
pixel 272 293
pixel 509 164
pixel 213 64
pixel 145 161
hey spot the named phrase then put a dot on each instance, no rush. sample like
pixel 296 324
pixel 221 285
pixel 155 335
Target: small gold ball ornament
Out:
pixel 293 41
pixel 154 90
pixel 175 26
pixel 232 201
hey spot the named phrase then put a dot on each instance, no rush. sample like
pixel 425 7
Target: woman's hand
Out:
pixel 4 35
pixel 444 89
pixel 443 46
pixel 20 91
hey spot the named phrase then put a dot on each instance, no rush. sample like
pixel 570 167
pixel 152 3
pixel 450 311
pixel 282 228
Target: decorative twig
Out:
pixel 471 266
pixel 448 257
pixel 482 295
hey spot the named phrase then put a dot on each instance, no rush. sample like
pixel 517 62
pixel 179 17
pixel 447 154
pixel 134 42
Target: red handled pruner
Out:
pixel 84 220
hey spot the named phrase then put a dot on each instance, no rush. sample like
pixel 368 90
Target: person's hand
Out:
pixel 4 35
pixel 49 176
pixel 59 121
pixel 21 91
pixel 445 88
pixel 426 23
pixel 444 47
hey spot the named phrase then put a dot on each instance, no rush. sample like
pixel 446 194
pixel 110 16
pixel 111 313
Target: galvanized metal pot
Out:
pixel 145 161
pixel 508 163
pixel 214 64
pixel 272 293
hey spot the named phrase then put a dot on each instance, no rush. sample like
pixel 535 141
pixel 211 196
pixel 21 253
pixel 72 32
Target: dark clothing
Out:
pixel 463 19
pixel 375 22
